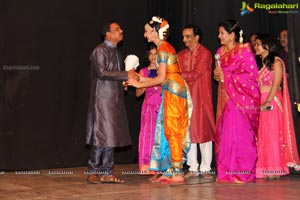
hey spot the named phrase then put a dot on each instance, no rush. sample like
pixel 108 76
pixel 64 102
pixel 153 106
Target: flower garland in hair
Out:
pixel 163 26
pixel 241 39
pixel 156 19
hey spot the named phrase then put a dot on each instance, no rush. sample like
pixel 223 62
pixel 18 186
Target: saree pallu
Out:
pixel 291 152
pixel 271 140
pixel 237 116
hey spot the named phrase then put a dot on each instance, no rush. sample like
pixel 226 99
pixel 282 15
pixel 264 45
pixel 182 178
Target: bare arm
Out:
pixel 140 91
pixel 147 82
pixel 278 74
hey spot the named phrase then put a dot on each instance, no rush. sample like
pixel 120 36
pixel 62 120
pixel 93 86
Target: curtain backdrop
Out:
pixel 43 108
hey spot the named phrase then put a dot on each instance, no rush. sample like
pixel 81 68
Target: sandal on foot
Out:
pixel 111 179
pixel 93 179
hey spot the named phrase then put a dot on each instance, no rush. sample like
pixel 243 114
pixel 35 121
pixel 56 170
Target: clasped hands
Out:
pixel 133 78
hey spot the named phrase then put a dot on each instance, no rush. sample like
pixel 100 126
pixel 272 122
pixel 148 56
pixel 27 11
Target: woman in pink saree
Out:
pixel 277 149
pixel 238 107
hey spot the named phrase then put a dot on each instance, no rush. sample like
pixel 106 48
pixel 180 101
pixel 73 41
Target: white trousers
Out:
pixel 206 157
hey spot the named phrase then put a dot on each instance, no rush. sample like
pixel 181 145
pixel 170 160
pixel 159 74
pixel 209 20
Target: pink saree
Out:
pixel 277 147
pixel 237 116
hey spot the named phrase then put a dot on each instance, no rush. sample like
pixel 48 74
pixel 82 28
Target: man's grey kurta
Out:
pixel 107 124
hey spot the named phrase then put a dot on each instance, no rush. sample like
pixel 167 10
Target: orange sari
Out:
pixel 172 140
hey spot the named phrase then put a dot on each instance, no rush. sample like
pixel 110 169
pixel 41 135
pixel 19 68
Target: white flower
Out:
pixel 241 36
pixel 131 62
pixel 156 19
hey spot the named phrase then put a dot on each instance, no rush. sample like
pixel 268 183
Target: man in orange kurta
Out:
pixel 196 64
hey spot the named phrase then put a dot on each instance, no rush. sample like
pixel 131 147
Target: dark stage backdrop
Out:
pixel 44 75
pixel 45 49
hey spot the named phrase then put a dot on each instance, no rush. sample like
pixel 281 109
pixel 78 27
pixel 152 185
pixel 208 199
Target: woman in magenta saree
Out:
pixel 238 107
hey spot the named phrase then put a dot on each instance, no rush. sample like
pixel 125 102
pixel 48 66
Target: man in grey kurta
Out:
pixel 107 124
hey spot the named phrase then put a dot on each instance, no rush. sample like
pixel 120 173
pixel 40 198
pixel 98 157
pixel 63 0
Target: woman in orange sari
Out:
pixel 171 135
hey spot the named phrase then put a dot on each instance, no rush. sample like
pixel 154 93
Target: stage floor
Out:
pixel 70 184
